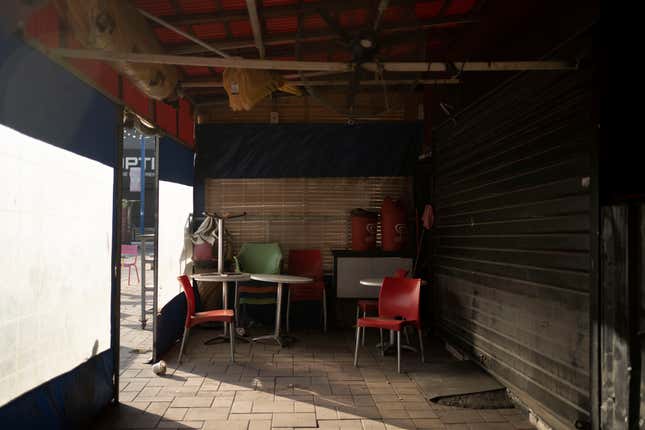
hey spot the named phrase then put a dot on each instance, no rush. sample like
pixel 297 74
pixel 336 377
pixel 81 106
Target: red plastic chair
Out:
pixel 398 307
pixel 129 251
pixel 193 318
pixel 307 262
pixel 368 305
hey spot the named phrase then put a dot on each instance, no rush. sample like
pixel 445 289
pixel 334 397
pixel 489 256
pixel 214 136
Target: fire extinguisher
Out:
pixel 394 228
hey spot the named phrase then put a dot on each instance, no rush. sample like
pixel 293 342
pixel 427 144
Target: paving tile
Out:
pixel 267 406
pixel 340 425
pixel 399 424
pixel 428 423
pixel 180 425
pixel 461 417
pixel 206 413
pixel 226 425
pixel 422 413
pixel 491 426
pixel 192 402
pixel 295 420
pixel 175 413
pixel 251 417
pixel 492 416
pixel 394 413
pixel 326 413
pixel 241 406
pixel 260 425
pixel 369 424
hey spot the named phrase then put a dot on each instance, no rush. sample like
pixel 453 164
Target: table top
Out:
pixel 281 279
pixel 221 277
pixel 377 282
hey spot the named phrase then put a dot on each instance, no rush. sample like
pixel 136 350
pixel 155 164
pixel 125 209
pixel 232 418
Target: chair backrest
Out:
pixel 399 297
pixel 190 297
pixel 306 262
pixel 259 258
pixel 129 250
pixel 401 273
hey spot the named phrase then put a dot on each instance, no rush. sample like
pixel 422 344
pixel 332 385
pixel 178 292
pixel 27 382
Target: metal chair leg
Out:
pixel 288 309
pixel 231 327
pixel 398 351
pixel 382 343
pixel 324 304
pixel 183 342
pixel 407 336
pixel 423 358
pixel 236 305
pixel 358 339
pixel 364 328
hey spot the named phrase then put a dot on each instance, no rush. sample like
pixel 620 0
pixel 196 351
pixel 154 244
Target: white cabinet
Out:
pixel 352 266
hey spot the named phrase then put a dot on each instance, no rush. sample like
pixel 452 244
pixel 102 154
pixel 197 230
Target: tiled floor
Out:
pixel 310 384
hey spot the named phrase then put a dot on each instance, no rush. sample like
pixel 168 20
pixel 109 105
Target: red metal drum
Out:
pixel 394 228
pixel 363 230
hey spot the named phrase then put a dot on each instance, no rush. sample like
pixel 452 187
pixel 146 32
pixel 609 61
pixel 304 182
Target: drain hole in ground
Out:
pixel 495 399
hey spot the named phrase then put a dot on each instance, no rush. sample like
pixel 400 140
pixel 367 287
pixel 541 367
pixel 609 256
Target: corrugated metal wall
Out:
pixel 512 239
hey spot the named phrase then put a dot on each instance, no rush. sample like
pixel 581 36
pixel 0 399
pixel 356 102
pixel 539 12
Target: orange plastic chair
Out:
pixel 129 251
pixel 398 307
pixel 307 262
pixel 193 318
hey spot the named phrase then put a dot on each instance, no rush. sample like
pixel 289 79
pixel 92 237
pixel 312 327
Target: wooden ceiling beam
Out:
pixel 314 66
pixel 333 83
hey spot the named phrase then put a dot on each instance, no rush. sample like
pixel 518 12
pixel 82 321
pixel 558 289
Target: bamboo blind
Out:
pixel 300 213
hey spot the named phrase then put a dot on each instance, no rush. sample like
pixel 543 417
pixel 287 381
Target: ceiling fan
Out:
pixel 363 46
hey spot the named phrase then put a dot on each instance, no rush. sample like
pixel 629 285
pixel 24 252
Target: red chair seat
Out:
pixel 221 315
pixel 367 305
pixel 384 323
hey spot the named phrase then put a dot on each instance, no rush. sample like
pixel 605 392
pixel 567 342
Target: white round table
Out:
pixel 280 280
pixel 377 282
pixel 372 282
pixel 224 278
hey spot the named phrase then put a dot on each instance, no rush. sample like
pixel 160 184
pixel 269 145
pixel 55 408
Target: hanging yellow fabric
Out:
pixel 246 87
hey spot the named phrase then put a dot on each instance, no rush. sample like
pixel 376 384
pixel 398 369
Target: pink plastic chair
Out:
pixel 130 251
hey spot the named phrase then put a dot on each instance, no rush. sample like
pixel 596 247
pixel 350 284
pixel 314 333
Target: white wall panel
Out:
pixel 55 258
pixel 175 204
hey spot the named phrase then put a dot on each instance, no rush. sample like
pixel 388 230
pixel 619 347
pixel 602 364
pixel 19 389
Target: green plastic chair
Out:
pixel 258 258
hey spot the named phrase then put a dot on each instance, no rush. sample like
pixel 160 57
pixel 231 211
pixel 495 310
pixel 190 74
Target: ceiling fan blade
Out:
pixel 382 5
pixel 333 24
pixel 354 83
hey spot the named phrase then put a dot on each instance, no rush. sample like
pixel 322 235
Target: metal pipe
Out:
pixel 184 34
pixel 255 26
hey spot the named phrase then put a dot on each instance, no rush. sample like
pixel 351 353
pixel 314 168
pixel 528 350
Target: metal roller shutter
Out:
pixel 512 239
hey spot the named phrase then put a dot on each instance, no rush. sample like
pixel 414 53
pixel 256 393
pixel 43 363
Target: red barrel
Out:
pixel 394 228
pixel 363 230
